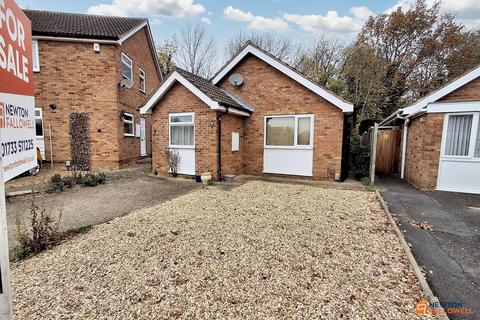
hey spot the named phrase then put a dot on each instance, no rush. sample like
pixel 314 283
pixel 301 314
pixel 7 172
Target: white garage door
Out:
pixel 288 145
pixel 459 168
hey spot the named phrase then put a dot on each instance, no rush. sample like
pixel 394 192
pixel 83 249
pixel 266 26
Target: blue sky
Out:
pixel 295 18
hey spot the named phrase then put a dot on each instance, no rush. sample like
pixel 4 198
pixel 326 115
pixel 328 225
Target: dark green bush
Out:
pixel 93 179
pixel 56 183
pixel 360 158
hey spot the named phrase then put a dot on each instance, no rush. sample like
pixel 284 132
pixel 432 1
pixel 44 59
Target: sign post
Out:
pixel 17 121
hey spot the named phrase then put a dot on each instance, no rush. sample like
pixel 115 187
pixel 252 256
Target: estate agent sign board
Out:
pixel 17 120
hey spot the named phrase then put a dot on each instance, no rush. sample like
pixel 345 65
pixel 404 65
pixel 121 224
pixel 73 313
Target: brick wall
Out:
pixel 77 79
pixel 271 92
pixel 468 92
pixel 232 161
pixel 423 150
pixel 179 99
pixel 137 49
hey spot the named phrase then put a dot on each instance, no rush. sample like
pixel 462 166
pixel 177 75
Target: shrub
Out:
pixel 173 159
pixel 360 158
pixel 43 231
pixel 56 183
pixel 93 179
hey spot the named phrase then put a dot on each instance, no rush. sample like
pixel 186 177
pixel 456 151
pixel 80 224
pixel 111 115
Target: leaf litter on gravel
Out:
pixel 260 251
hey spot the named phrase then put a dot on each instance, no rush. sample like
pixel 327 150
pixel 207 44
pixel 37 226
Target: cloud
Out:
pixel 332 22
pixel 465 11
pixel 206 21
pixel 256 22
pixel 164 8
pixel 361 12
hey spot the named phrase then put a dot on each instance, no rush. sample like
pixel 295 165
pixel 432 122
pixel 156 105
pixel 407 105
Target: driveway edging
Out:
pixel 427 291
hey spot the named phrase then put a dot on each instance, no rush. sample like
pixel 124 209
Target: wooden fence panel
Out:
pixel 388 151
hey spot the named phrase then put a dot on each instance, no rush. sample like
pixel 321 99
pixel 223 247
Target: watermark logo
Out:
pixel 423 307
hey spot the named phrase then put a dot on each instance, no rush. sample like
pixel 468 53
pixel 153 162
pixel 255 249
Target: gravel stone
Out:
pixel 260 251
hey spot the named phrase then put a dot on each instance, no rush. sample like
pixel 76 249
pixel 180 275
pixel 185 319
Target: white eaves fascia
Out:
pixel 438 94
pixel 175 76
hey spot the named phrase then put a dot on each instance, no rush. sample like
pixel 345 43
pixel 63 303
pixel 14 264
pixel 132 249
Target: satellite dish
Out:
pixel 236 79
pixel 126 83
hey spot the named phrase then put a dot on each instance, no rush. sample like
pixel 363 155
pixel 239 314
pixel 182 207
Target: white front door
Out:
pixel 39 132
pixel 288 145
pixel 143 138
pixel 182 139
pixel 459 167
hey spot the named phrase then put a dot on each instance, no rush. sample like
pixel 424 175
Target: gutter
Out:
pixel 404 146
pixel 219 145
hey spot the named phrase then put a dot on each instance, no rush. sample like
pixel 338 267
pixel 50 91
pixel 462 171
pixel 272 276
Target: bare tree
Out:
pixel 282 47
pixel 322 60
pixel 197 51
pixel 166 52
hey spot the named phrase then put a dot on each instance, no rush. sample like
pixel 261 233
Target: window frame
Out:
pixel 132 122
pixel 295 132
pixel 35 56
pixel 473 136
pixel 143 76
pixel 130 61
pixel 181 124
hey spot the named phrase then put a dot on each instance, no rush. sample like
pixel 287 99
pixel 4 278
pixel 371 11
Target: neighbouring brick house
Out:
pixel 441 137
pixel 256 116
pixel 103 66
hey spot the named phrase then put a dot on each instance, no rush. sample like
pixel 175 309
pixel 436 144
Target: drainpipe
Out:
pixel 219 145
pixel 404 146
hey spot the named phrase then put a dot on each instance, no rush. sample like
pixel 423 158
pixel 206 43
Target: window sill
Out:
pixel 125 77
pixel 289 147
pixel 127 135
pixel 181 147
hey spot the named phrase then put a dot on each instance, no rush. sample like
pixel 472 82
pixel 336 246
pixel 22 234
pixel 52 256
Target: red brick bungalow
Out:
pixel 256 116
pixel 441 137
pixel 99 70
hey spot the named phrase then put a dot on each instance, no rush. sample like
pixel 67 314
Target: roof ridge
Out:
pixel 85 14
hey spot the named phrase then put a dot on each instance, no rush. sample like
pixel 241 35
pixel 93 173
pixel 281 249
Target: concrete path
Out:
pixel 450 252
pixel 85 206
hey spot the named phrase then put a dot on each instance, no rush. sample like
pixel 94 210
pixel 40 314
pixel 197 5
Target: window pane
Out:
pixel 127 117
pixel 127 71
pixel 128 128
pixel 181 119
pixel 38 127
pixel 280 131
pixel 458 135
pixel 181 135
pixel 477 143
pixel 303 131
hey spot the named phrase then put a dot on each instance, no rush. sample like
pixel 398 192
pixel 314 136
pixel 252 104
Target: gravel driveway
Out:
pixel 260 251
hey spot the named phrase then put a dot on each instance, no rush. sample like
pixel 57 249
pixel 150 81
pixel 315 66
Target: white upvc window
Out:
pixel 127 67
pixel 141 74
pixel 181 130
pixel 38 123
pixel 462 135
pixel 289 131
pixel 128 125
pixel 35 57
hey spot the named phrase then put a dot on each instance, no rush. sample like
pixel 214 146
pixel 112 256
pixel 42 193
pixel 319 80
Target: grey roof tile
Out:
pixel 48 23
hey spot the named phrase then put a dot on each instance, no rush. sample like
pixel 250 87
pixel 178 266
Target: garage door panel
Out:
pixel 459 176
pixel 288 161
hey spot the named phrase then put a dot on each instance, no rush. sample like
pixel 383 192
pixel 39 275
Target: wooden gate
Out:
pixel 388 151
